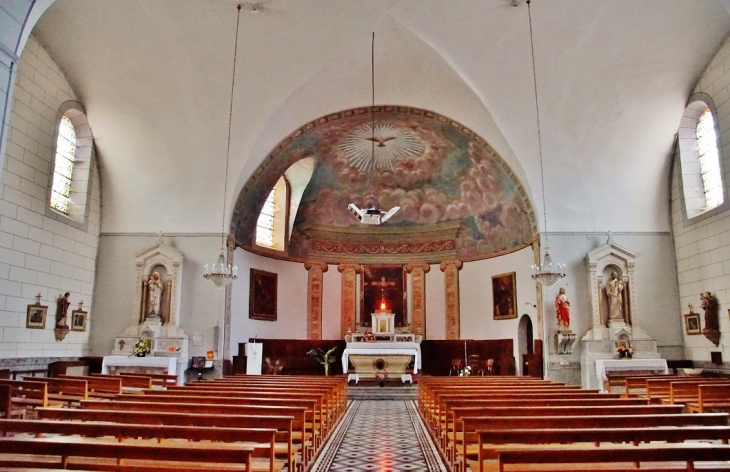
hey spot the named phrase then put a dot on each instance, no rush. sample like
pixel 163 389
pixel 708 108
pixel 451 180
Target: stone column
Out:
pixel 538 287
pixel 314 298
pixel 451 283
pixel 418 272
pixel 227 359
pixel 348 314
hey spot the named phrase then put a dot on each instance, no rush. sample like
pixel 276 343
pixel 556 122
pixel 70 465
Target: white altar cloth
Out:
pixel 169 363
pixel 383 347
pixel 604 366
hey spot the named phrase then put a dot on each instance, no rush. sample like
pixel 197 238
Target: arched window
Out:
pixel 271 226
pixel 701 175
pixel 71 177
pixel 64 165
pixel 709 160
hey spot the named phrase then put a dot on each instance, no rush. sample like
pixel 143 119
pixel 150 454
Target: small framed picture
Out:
pixel 210 355
pixel 692 324
pixel 78 320
pixel 36 316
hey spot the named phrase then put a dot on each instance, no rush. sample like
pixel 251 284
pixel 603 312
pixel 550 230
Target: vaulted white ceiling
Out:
pixel 613 79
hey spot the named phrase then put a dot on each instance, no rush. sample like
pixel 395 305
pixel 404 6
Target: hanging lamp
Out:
pixel 221 273
pixel 545 273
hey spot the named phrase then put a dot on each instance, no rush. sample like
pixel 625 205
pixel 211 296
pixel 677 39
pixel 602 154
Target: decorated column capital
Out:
pixel 456 264
pixel 357 268
pixel 411 266
pixel 316 265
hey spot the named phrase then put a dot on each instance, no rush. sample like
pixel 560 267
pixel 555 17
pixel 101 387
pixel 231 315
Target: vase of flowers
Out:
pixel 465 372
pixel 381 376
pixel 141 349
pixel 368 336
pixel 625 352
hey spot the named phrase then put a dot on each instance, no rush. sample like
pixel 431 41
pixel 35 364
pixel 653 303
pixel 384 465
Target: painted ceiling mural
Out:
pixel 434 169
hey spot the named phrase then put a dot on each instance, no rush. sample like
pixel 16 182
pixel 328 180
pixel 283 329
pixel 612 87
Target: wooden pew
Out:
pixel 160 380
pixel 281 424
pixel 67 391
pixel 130 382
pixel 310 404
pixel 688 392
pixel 631 383
pixel 99 387
pixel 468 447
pixel 611 457
pixel 262 439
pixel 659 389
pixel 455 434
pixel 299 434
pixel 29 394
pixel 7 409
pixel 137 457
pixel 711 397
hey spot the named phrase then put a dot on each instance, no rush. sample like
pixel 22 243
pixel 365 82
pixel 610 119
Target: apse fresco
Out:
pixel 434 169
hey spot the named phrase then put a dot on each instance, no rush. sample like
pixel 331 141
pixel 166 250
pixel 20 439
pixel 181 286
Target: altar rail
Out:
pixel 437 354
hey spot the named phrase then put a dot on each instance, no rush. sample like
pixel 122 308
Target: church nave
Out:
pixel 380 435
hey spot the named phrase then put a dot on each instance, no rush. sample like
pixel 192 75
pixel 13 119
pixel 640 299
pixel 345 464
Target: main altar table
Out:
pixel 606 366
pixel 169 364
pixel 382 348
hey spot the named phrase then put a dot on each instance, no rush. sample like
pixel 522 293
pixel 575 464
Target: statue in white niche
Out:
pixel 614 289
pixel 155 293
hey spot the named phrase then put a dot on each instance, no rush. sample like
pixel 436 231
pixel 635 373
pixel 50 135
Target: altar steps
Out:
pixel 388 392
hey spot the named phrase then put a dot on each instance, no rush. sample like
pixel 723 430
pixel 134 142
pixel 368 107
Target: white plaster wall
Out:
pixel 475 284
pixel 40 254
pixel 201 303
pixel 291 322
pixel 703 248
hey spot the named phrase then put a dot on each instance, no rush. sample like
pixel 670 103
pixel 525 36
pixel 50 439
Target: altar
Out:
pixel 390 359
pixel 147 365
pixel 649 366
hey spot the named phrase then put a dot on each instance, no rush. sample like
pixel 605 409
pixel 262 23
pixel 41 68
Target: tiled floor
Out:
pixel 380 436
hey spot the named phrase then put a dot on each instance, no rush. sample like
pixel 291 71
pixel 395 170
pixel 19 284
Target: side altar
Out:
pixel 155 315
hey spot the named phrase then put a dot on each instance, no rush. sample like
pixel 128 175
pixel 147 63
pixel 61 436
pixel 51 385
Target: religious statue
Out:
pixel 62 305
pixel 562 310
pixel 154 293
pixel 614 289
pixel 711 305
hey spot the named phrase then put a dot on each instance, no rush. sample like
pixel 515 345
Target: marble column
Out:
pixel 538 288
pixel 314 298
pixel 227 359
pixel 348 313
pixel 451 282
pixel 418 272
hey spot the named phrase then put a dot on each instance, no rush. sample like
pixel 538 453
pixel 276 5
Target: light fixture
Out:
pixel 372 215
pixel 222 273
pixel 544 273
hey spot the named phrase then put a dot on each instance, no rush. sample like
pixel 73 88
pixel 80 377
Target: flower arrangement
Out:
pixel 465 372
pixel 369 336
pixel 382 374
pixel 625 352
pixel 141 349
pixel 324 358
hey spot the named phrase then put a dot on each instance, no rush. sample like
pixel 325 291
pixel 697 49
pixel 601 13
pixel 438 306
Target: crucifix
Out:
pixel 382 284
pixel 38 299
pixel 81 305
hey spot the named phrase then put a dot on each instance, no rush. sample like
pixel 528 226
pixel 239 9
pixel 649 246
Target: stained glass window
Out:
pixel 265 223
pixel 65 155
pixel 709 160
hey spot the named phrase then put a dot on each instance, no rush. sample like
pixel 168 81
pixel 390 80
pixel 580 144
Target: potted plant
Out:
pixel 324 358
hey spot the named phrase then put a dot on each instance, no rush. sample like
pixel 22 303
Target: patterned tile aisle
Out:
pixel 385 436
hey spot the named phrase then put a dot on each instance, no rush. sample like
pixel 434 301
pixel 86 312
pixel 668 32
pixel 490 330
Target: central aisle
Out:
pixel 382 435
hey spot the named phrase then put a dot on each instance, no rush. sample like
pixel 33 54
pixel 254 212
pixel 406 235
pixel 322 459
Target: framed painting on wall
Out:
pixel 262 295
pixel 692 324
pixel 36 316
pixel 504 296
pixel 78 320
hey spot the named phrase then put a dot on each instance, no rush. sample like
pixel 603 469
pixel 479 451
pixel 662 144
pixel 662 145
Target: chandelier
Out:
pixel 544 273
pixel 221 273
pixel 371 215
